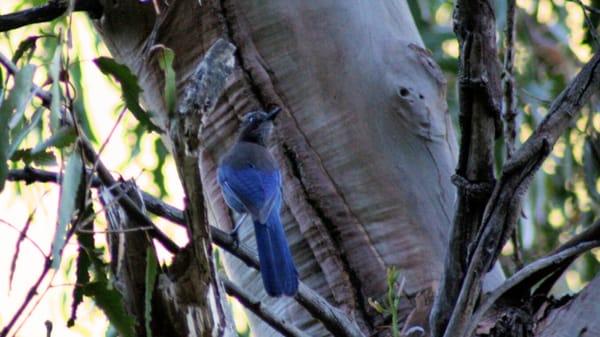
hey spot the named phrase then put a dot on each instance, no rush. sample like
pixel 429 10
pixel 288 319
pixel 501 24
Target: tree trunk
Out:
pixel 365 140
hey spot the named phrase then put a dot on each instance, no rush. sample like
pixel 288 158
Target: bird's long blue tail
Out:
pixel 277 268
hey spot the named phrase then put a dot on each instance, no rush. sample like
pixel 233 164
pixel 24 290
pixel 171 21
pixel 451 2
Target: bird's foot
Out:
pixel 235 239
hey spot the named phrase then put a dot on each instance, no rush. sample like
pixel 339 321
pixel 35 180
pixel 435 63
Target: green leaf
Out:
pixel 63 137
pixel 14 105
pixel 110 302
pixel 23 83
pixel 55 90
pixel 130 88
pixel 41 159
pixel 150 280
pixel 85 253
pixel 165 61
pixel 68 197
pixel 18 139
pixel 26 45
pixel 157 174
pixel 79 104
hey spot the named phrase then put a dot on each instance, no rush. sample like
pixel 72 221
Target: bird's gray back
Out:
pixel 243 154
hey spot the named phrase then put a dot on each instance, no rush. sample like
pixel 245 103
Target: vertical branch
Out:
pixel 199 99
pixel 509 111
pixel 509 104
pixel 479 95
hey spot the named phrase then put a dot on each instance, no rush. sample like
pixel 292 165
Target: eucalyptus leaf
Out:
pixel 130 88
pixel 27 45
pixel 166 56
pixel 14 105
pixel 67 202
pixel 63 137
pixel 86 254
pixel 18 139
pixel 55 90
pixel 150 281
pixel 23 85
pixel 111 303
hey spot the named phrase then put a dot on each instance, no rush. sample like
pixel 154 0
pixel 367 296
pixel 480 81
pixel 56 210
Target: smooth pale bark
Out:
pixel 365 140
pixel 577 317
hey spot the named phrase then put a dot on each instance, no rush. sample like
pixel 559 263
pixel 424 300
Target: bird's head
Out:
pixel 257 125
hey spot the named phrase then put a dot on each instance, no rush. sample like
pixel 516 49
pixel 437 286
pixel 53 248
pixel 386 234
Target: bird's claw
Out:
pixel 235 239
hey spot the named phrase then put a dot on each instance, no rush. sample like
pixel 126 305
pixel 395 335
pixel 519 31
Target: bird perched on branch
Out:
pixel 251 184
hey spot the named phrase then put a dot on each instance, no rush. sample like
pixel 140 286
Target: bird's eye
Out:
pixel 252 119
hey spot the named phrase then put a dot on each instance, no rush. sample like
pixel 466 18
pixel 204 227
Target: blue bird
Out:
pixel 251 184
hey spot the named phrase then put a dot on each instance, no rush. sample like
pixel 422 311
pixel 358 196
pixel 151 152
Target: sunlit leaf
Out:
pixel 63 137
pixel 55 90
pixel 68 196
pixel 157 174
pixel 150 280
pixel 13 107
pixel 20 136
pixel 130 88
pixel 79 104
pixel 111 303
pixel 165 61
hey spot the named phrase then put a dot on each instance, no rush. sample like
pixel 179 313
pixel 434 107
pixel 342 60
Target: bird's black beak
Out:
pixel 273 113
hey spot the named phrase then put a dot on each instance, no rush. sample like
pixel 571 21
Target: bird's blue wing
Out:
pixel 250 190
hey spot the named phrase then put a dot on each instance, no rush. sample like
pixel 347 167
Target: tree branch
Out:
pixel 589 234
pixel 48 12
pixel 504 207
pixel 553 260
pixel 260 310
pixel 480 123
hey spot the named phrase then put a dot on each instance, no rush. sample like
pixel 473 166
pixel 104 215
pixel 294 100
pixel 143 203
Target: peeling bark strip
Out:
pixel 480 97
pixel 207 84
pixel 202 92
pixel 504 207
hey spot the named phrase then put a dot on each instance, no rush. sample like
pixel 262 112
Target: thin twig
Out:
pixel 257 308
pixel 516 279
pixel 116 231
pixel 24 235
pixel 30 295
pixel 589 22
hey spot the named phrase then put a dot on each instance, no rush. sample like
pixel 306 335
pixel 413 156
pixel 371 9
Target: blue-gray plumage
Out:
pixel 251 184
